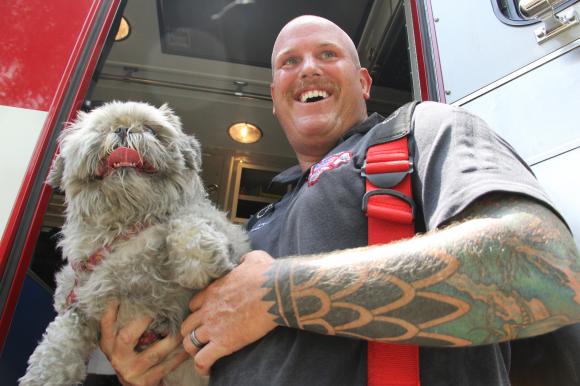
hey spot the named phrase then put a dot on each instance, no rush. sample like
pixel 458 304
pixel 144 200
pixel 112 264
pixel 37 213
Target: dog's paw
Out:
pixel 61 356
pixel 198 253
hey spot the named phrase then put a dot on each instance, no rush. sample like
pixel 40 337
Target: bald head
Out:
pixel 313 56
pixel 322 23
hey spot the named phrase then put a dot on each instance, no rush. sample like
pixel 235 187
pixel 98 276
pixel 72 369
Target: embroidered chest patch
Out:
pixel 328 163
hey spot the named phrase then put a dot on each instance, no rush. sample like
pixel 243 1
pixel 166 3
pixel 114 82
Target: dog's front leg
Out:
pixel 198 252
pixel 61 357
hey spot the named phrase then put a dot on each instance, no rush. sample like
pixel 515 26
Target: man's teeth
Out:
pixel 314 94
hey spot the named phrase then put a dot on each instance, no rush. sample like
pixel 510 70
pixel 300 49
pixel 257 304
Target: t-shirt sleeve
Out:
pixel 458 159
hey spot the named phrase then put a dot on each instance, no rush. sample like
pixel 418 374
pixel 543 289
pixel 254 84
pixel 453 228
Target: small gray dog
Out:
pixel 139 228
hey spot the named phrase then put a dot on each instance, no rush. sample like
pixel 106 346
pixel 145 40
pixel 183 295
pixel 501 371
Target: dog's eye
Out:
pixel 149 129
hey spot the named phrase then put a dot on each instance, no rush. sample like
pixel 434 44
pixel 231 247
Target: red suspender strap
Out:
pixel 389 206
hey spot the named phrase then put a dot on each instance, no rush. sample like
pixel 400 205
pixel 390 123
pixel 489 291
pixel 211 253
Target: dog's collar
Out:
pixel 90 263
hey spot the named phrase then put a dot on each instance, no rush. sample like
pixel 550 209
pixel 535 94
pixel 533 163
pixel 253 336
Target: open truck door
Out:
pixel 515 64
pixel 49 53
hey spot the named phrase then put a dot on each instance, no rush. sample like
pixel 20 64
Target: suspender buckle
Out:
pixel 385 170
pixel 388 211
pixel 386 174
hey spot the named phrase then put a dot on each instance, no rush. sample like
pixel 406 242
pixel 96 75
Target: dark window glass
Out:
pixel 508 11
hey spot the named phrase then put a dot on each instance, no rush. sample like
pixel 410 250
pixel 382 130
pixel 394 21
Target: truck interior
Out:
pixel 210 62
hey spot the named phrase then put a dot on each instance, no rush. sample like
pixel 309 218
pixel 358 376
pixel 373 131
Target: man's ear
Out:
pixel 54 178
pixel 366 82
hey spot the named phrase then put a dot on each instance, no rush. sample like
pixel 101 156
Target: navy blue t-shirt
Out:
pixel 457 160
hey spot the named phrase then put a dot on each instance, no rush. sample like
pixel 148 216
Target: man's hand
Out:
pixel 230 313
pixel 137 368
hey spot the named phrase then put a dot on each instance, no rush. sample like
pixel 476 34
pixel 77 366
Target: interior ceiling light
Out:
pixel 123 31
pixel 244 132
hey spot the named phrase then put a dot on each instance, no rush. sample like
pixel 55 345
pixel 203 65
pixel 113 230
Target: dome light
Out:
pixel 123 31
pixel 244 132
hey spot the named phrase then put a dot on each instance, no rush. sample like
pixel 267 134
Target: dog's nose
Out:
pixel 122 132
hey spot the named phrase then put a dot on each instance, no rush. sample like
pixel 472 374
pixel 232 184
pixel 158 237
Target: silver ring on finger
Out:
pixel 194 341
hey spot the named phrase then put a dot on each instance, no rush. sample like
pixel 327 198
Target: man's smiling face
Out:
pixel 318 88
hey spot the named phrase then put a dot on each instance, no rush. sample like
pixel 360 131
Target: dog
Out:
pixel 139 228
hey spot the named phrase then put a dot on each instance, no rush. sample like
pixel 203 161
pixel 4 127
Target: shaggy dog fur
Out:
pixel 139 228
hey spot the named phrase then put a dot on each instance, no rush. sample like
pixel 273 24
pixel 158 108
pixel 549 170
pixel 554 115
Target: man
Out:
pixel 495 264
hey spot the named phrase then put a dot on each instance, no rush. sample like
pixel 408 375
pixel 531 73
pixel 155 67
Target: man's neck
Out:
pixel 309 155
pixel 306 162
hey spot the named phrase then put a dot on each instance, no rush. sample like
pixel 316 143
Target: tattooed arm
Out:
pixel 508 268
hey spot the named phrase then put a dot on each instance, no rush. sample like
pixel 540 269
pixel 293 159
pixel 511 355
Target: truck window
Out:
pixel 508 11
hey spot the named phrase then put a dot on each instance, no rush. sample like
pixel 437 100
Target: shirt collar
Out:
pixel 362 127
pixel 294 173
pixel 289 175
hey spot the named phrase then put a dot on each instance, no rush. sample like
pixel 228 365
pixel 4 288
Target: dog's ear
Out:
pixel 191 148
pixel 192 153
pixel 54 178
pixel 170 115
pixel 56 171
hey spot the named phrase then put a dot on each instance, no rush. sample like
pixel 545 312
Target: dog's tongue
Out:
pixel 124 157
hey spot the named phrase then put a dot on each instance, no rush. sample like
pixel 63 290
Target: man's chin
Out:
pixel 318 123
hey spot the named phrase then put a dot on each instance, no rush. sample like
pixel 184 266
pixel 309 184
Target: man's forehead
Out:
pixel 296 38
pixel 289 49
pixel 312 29
pixel 307 26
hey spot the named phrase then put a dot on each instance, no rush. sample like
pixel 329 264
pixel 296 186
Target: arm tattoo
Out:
pixel 507 269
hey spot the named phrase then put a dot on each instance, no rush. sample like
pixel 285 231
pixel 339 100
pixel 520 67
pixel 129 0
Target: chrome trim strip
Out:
pixel 555 152
pixel 184 86
pixel 516 74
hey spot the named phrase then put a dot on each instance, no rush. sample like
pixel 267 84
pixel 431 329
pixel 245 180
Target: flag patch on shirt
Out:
pixel 328 163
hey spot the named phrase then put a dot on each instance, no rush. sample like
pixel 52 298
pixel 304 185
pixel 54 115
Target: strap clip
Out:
pixel 386 174
pixel 389 212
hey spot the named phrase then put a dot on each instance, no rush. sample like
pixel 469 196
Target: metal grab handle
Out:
pixel 545 10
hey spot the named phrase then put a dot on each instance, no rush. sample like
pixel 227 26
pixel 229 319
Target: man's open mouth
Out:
pixel 313 96
pixel 124 157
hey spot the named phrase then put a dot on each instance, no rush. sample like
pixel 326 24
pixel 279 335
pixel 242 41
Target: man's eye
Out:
pixel 328 54
pixel 290 61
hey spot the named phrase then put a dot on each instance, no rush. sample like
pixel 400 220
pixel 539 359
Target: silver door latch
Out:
pixel 545 11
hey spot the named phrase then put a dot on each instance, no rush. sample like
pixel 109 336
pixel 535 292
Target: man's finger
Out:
pixel 140 366
pixel 107 323
pixel 154 354
pixel 188 344
pixel 193 321
pixel 197 301
pixel 207 356
pixel 129 335
pixel 168 365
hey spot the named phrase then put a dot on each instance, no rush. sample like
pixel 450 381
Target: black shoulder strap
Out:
pixel 395 126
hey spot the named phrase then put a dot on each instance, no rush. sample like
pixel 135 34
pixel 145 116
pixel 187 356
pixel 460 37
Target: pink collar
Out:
pixel 90 263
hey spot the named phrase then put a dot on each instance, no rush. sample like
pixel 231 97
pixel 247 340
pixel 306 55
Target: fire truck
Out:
pixel 513 62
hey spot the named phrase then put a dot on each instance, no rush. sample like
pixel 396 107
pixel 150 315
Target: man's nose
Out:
pixel 310 67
